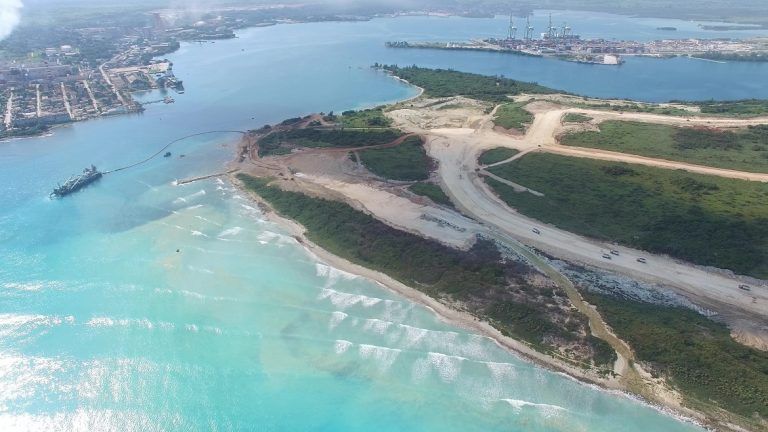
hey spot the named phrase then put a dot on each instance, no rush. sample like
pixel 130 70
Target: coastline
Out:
pixel 454 316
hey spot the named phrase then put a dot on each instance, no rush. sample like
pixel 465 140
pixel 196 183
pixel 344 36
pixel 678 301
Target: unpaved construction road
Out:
pixel 457 149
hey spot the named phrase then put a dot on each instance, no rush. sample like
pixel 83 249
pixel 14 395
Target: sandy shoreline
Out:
pixel 453 316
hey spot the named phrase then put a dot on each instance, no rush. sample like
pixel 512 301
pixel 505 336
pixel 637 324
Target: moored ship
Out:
pixel 75 183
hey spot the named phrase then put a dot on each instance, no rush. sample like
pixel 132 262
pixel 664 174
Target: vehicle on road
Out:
pixel 641 260
pixel 614 252
pixel 536 231
pixel 745 287
pixel 606 256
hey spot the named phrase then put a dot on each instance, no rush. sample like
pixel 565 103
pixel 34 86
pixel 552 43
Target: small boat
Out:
pixel 167 154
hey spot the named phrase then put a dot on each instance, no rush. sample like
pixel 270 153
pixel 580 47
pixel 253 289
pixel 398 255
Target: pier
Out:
pixel 194 179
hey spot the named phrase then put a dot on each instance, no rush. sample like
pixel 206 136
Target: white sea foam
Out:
pixel 129 323
pixel 198 234
pixel 336 318
pixel 200 269
pixel 384 357
pixel 341 346
pixel 192 327
pixel 23 286
pixel 230 232
pixel 18 324
pixel 214 330
pixel 332 273
pixel 446 366
pixel 412 335
pixel 344 300
pixel 545 409
pixel 207 220
pixel 273 237
pixel 501 371
pixel 376 325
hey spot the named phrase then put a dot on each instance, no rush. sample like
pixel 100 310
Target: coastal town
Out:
pixel 561 42
pixel 68 83
pixel 41 96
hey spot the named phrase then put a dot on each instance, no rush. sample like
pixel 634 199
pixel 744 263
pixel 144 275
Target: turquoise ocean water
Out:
pixel 104 326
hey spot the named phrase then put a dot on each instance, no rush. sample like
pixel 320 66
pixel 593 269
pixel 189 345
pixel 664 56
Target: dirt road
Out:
pixel 457 149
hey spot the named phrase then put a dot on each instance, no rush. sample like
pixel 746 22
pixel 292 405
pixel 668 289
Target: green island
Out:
pixel 702 219
pixel 405 162
pixel 745 149
pixel 696 353
pixel 495 155
pixel 485 284
pixel 513 116
pixel 445 83
pixel 431 191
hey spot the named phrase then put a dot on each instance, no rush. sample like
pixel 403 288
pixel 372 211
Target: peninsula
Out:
pixel 471 198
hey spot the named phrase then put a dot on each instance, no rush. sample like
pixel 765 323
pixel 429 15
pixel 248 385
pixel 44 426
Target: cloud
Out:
pixel 10 15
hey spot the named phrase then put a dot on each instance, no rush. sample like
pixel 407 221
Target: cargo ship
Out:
pixel 77 182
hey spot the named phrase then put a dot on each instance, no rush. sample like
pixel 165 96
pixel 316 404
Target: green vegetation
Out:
pixel 486 285
pixel 25 132
pixel 751 57
pixel 744 108
pixel 497 154
pixel 513 116
pixel 279 142
pixel 698 354
pixel 370 118
pixel 745 150
pixel 702 219
pixel 431 191
pixel 407 161
pixel 445 83
pixel 576 118
pixel 635 107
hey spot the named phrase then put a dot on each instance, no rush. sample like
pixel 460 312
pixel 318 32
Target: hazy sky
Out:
pixel 10 13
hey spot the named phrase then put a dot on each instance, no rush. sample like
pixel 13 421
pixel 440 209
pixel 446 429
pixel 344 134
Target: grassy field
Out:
pixel 698 354
pixel 497 154
pixel 513 116
pixel 445 83
pixel 282 141
pixel 576 118
pixel 486 284
pixel 702 219
pixel 431 191
pixel 406 162
pixel 745 150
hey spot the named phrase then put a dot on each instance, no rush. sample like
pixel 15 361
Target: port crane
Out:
pixel 512 31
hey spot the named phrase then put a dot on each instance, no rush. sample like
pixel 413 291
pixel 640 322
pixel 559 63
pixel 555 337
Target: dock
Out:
pixel 194 179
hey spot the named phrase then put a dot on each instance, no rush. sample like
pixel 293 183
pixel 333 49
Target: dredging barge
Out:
pixel 75 183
